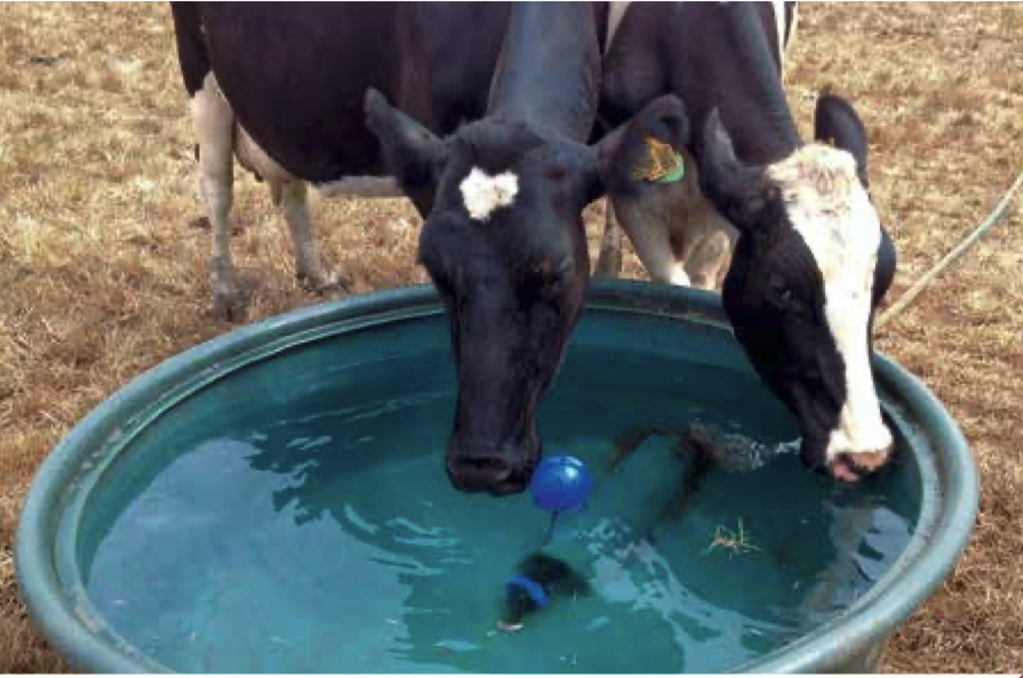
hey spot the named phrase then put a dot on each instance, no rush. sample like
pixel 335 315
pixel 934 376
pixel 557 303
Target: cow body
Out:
pixel 479 115
pixel 811 261
pixel 292 112
pixel 693 51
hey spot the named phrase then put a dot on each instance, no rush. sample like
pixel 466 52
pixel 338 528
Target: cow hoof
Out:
pixel 323 283
pixel 227 307
pixel 703 282
pixel 609 266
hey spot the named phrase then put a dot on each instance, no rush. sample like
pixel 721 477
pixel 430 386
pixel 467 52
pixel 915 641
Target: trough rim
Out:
pixel 64 615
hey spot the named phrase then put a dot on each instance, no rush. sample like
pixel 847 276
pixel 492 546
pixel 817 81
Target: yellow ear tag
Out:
pixel 661 163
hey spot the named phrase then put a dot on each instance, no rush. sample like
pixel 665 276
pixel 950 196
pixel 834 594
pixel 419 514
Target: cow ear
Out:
pixel 627 159
pixel 836 122
pixel 646 148
pixel 411 152
pixel 735 189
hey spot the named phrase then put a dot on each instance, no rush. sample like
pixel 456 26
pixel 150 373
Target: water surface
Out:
pixel 282 524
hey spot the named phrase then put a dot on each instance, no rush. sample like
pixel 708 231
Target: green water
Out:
pixel 281 524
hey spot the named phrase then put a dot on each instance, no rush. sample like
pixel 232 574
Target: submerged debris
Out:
pixel 450 646
pixel 733 452
pixel 732 542
pixel 510 627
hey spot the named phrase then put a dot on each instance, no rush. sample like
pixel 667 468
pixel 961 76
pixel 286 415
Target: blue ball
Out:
pixel 561 483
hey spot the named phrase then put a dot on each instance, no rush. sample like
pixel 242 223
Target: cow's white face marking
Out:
pixel 482 193
pixel 830 209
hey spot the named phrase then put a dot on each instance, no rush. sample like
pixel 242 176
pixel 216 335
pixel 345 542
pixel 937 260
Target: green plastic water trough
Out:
pixel 397 342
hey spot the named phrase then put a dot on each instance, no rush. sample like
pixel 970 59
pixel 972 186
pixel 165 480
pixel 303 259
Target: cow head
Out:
pixel 811 265
pixel 504 243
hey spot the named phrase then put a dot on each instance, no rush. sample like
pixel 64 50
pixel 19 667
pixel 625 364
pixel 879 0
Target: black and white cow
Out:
pixel 308 116
pixel 812 261
pixel 682 240
pixel 300 93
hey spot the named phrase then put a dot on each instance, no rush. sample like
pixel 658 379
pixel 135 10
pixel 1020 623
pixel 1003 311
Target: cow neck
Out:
pixel 549 71
pixel 769 138
pixel 738 73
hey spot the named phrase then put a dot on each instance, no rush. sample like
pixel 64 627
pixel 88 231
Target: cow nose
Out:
pixel 498 472
pixel 853 467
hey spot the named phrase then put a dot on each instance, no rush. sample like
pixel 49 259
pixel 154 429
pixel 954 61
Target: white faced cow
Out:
pixel 300 92
pixel 812 260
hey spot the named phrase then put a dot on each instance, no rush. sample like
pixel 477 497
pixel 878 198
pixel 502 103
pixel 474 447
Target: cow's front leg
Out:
pixel 708 261
pixel 213 123
pixel 309 266
pixel 609 263
pixel 225 294
pixel 654 217
pixel 713 239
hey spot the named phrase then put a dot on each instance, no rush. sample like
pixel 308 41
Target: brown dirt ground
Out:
pixel 103 276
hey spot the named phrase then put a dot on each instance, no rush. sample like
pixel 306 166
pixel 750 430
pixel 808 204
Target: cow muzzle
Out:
pixel 851 467
pixel 498 470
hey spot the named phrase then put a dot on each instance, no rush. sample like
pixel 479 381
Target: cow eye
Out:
pixel 544 269
pixel 551 279
pixel 547 276
pixel 789 303
pixel 780 292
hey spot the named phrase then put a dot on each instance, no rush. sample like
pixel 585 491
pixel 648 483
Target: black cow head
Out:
pixel 811 265
pixel 505 245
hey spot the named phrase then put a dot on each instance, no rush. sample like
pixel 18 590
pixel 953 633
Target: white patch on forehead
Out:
pixel 830 209
pixel 482 193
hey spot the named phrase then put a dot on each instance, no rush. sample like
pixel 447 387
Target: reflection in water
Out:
pixel 332 541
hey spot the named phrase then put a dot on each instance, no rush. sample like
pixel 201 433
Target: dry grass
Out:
pixel 103 276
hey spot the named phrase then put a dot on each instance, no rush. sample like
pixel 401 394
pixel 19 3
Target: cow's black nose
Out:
pixel 499 472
